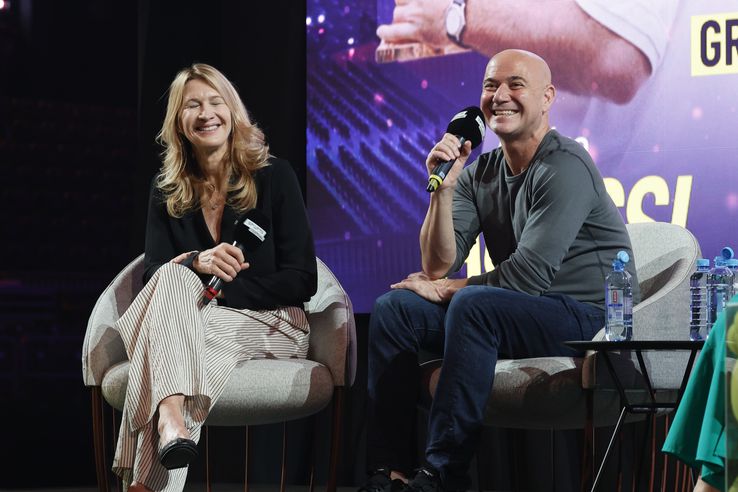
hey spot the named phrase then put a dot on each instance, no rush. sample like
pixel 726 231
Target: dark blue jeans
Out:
pixel 478 326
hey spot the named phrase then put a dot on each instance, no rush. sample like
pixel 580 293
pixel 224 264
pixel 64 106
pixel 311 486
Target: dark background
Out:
pixel 82 95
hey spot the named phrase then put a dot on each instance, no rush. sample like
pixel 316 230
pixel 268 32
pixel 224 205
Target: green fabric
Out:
pixel 697 435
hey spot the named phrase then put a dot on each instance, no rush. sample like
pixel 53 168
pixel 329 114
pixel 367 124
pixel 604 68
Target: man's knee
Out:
pixel 393 303
pixel 472 306
pixel 395 316
pixel 474 298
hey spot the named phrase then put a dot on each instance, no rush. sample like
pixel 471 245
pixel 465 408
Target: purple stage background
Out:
pixel 668 154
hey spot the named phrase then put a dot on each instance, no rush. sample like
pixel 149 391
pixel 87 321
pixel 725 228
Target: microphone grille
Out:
pixel 468 123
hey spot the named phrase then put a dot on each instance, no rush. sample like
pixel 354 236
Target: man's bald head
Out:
pixel 537 66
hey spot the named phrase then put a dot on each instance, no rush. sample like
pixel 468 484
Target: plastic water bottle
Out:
pixel 732 265
pixel 719 289
pixel 698 300
pixel 619 301
pixel 727 253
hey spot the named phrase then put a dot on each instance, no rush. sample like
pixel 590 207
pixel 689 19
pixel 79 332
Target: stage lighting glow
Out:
pixel 308 20
pixel 731 201
pixel 321 19
pixel 4 4
pixel 350 41
pixel 583 141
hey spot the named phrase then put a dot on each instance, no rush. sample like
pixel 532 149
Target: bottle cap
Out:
pixel 727 252
pixel 623 257
pixel 703 262
pixel 732 263
pixel 719 261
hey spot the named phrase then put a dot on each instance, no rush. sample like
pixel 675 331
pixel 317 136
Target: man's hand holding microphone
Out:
pixel 447 158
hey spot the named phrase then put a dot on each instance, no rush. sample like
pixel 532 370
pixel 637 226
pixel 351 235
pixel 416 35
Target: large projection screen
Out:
pixel 665 139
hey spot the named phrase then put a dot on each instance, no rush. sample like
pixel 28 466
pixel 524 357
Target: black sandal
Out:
pixel 178 453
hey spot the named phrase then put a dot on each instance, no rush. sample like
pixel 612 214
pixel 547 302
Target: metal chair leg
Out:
pixel 246 472
pixel 338 397
pixel 588 443
pixel 652 471
pixel 665 469
pixel 283 477
pixel 553 459
pixel 312 474
pixel 208 485
pixel 639 454
pixel 313 433
pixel 683 479
pixel 98 438
pixel 118 481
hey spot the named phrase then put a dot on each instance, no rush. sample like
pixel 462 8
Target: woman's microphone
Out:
pixel 467 125
pixel 250 232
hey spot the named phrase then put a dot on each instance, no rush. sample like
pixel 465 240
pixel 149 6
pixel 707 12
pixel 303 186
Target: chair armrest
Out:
pixel 103 346
pixel 332 328
pixel 665 256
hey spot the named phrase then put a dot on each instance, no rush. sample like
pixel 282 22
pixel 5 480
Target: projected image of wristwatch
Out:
pixel 456 21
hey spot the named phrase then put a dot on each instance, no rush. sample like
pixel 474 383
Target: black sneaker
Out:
pixel 425 481
pixel 379 481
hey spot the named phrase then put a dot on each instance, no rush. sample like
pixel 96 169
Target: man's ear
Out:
pixel 549 95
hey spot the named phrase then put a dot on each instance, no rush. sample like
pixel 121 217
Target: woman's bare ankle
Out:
pixel 171 420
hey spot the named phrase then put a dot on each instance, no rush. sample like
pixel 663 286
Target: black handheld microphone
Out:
pixel 250 232
pixel 467 125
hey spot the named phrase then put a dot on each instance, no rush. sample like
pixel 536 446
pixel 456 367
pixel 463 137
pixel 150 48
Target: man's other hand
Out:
pixel 439 291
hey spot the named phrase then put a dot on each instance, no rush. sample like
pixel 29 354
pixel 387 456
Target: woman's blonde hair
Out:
pixel 180 179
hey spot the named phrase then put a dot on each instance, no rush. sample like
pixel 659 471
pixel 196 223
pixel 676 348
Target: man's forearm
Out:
pixel 586 57
pixel 437 243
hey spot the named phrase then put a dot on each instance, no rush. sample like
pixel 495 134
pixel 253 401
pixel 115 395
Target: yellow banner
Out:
pixel 714 42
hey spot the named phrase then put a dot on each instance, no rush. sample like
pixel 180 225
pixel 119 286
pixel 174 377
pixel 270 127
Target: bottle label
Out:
pixel 615 304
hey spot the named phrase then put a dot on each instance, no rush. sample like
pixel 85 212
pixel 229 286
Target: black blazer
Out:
pixel 282 271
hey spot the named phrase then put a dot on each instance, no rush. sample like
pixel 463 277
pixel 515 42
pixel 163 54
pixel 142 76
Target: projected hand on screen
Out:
pixel 417 21
pixel 588 57
pixel 417 31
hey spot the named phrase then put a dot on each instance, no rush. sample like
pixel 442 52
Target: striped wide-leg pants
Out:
pixel 176 347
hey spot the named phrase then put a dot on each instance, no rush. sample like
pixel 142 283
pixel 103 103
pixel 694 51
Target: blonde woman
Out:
pixel 216 166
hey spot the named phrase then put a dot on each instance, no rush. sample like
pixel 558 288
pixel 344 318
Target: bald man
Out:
pixel 552 232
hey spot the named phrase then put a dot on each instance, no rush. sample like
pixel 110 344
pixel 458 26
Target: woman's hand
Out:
pixel 180 258
pixel 224 261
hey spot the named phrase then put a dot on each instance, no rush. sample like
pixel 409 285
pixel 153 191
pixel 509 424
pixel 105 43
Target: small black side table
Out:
pixel 637 346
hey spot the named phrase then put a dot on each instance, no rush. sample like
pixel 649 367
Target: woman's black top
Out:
pixel 282 270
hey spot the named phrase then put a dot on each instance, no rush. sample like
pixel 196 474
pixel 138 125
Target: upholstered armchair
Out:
pixel 576 392
pixel 258 392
